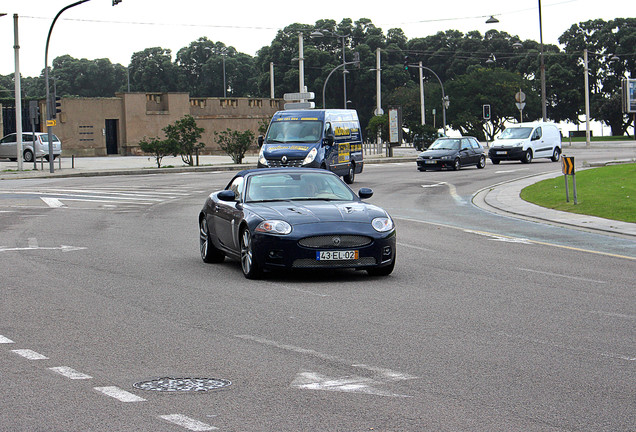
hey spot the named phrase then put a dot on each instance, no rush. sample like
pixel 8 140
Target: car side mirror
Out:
pixel 364 193
pixel 260 140
pixel 227 195
pixel 330 138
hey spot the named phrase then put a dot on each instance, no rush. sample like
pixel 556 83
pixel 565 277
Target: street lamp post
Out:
pixel 445 100
pixel 543 97
pixel 50 107
pixel 319 33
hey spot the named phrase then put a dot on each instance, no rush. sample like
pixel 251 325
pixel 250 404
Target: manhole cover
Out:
pixel 182 384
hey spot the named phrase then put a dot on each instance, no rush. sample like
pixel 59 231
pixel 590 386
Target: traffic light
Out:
pixel 486 112
pixel 55 106
pixel 406 62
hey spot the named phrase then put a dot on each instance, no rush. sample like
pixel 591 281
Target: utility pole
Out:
pixel 423 116
pixel 18 95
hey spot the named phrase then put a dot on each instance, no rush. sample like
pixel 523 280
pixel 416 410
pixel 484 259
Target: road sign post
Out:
pixel 567 167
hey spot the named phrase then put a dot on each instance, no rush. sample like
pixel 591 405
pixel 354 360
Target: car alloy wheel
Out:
pixel 28 156
pixel 556 155
pixel 527 156
pixel 457 164
pixel 248 265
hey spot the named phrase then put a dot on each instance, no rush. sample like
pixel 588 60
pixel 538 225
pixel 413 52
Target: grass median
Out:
pixel 608 192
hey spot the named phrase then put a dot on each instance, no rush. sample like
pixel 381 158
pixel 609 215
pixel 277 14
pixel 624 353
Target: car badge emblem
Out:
pixel 284 159
pixel 430 157
pixel 336 241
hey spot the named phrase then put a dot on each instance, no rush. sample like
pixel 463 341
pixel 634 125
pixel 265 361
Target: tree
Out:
pixel 158 148
pixel 603 40
pixel 183 136
pixel 494 86
pixel 235 143
pixel 152 70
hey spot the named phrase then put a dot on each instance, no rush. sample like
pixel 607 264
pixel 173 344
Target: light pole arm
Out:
pixel 329 76
pixel 46 81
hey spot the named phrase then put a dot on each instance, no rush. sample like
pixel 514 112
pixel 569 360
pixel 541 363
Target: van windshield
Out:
pixel 294 131
pixel 516 133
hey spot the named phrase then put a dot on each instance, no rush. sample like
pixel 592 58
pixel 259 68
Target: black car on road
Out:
pixel 452 153
pixel 295 218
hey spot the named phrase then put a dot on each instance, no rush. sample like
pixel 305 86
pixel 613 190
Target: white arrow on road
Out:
pixel 63 248
pixel 348 384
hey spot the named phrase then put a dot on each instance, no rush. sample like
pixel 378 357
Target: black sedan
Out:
pixel 295 218
pixel 452 153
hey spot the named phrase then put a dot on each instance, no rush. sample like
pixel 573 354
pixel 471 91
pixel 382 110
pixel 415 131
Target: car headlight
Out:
pixel 382 224
pixel 446 157
pixel 310 156
pixel 274 227
pixel 261 158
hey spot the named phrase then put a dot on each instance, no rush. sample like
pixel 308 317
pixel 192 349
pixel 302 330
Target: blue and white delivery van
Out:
pixel 314 138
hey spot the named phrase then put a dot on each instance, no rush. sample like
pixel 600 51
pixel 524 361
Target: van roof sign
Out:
pixel 298 96
pixel 299 105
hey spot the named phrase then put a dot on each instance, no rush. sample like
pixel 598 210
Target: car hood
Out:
pixel 436 153
pixel 305 212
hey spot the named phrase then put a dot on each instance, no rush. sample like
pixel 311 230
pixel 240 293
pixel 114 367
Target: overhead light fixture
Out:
pixel 492 20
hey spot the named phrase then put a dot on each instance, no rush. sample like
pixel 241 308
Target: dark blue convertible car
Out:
pixel 295 218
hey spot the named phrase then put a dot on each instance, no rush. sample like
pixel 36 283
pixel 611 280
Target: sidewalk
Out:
pixel 504 199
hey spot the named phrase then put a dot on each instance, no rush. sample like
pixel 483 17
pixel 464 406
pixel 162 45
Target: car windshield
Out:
pixel 516 133
pixel 445 144
pixel 297 186
pixel 294 131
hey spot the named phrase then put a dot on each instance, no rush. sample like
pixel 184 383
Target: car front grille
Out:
pixel 277 163
pixel 312 263
pixel 335 241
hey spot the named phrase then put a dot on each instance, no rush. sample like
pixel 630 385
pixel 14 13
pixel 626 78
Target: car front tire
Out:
pixel 556 155
pixel 495 161
pixel 248 264
pixel 209 253
pixel 527 157
pixel 457 164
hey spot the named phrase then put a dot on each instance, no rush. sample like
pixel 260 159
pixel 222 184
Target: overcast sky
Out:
pixel 96 29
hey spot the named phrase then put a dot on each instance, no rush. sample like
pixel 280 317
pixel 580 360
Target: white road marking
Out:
pixel 187 422
pixel 63 248
pixel 119 394
pixel 30 354
pixel 452 190
pixel 497 237
pixel 614 315
pixel 567 348
pixel 5 340
pixel 537 242
pixel 561 275
pixel 70 373
pixel 53 202
pixel 349 384
pixel 382 372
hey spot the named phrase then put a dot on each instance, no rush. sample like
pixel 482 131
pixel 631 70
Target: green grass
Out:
pixel 608 192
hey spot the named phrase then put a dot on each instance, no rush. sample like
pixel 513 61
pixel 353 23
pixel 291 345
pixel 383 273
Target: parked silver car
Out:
pixel 8 146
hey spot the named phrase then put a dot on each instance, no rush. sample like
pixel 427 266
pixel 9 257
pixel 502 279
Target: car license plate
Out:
pixel 336 255
pixel 502 152
pixel 429 161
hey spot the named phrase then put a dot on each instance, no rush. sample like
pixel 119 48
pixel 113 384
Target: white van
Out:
pixel 525 141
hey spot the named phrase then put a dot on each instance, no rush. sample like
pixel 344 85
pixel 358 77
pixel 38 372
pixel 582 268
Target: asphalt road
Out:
pixel 487 323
